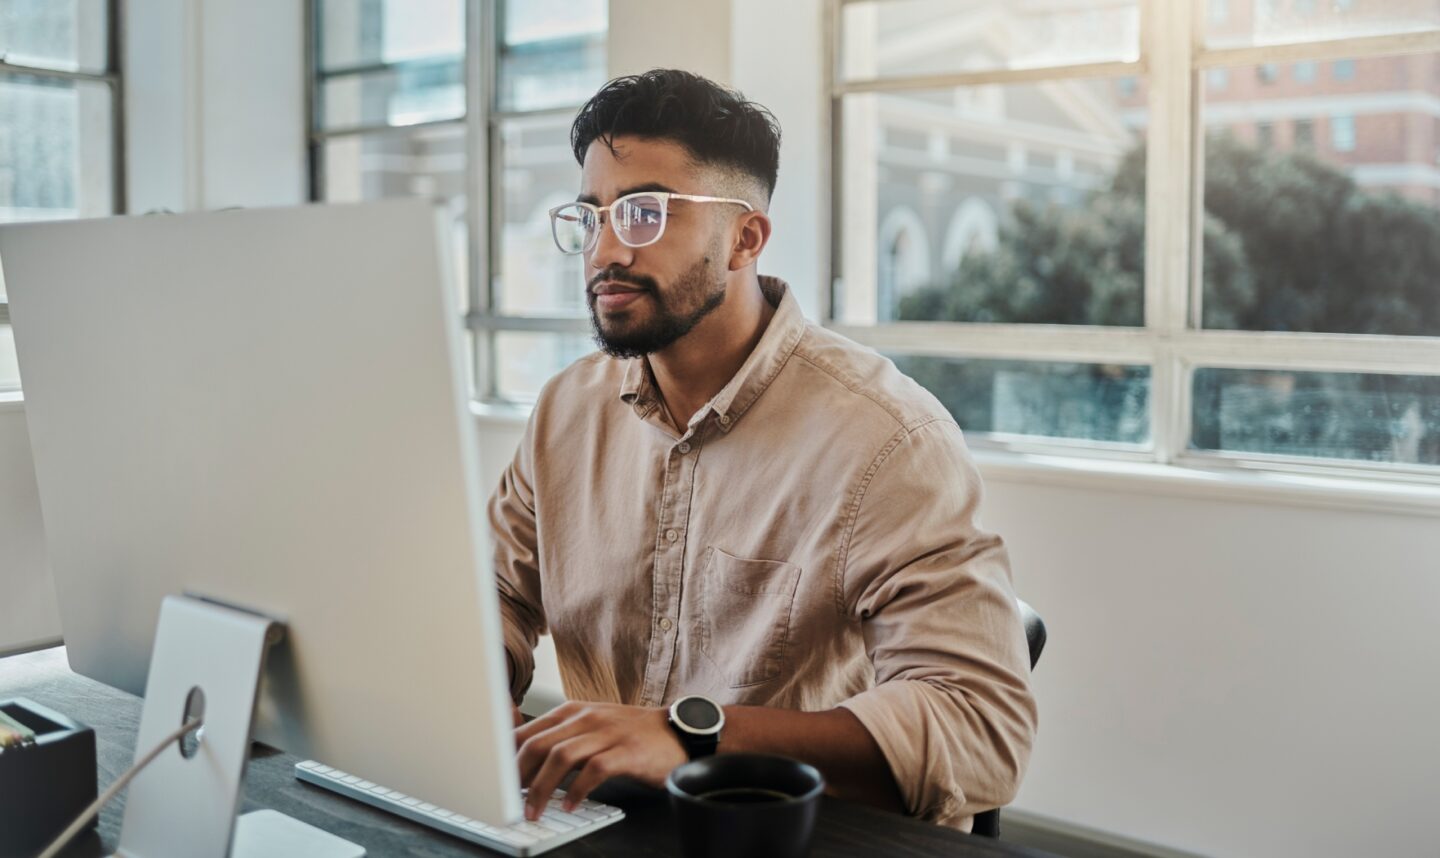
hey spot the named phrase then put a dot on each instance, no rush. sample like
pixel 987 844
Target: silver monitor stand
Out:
pixel 207 663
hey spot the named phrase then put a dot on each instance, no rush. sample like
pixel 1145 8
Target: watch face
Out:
pixel 697 713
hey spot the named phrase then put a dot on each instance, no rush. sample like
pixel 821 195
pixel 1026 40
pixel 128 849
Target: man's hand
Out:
pixel 602 740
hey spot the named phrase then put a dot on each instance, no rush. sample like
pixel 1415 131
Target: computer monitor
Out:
pixel 270 408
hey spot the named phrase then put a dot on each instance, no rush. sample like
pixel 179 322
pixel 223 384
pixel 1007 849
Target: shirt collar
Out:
pixel 781 336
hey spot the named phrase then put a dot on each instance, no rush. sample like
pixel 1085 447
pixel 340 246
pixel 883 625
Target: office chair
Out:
pixel 987 824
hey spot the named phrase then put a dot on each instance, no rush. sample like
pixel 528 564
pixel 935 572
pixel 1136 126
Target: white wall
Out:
pixel 1231 678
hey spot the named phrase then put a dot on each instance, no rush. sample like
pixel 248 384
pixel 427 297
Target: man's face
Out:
pixel 643 299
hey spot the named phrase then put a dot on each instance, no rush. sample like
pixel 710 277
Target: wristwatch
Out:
pixel 697 721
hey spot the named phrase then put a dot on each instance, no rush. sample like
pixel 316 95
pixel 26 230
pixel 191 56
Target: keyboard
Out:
pixel 554 828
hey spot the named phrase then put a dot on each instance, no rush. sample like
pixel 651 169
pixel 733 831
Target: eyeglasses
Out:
pixel 638 219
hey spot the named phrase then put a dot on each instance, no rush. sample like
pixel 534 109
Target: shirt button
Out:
pixel 672 534
pixel 666 624
pixel 724 419
pixel 683 448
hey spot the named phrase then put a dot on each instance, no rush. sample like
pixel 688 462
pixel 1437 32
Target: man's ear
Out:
pixel 750 239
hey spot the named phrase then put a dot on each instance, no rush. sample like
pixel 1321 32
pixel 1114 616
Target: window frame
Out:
pixel 482 122
pixel 1172 58
pixel 112 78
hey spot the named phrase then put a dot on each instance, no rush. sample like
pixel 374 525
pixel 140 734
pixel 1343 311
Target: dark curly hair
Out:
pixel 715 125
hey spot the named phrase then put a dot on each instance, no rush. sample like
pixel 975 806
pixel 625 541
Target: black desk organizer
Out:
pixel 45 785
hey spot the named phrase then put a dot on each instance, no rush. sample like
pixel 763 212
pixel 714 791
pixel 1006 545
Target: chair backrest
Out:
pixel 987 824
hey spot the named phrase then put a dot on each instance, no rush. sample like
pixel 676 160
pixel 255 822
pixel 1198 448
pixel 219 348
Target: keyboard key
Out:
pixel 515 838
pixel 570 819
pixel 554 825
pixel 365 785
pixel 428 807
pixel 539 832
pixel 410 802
pixel 308 765
pixel 351 779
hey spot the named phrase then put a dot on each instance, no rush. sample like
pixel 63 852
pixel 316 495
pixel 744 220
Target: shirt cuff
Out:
pixel 902 717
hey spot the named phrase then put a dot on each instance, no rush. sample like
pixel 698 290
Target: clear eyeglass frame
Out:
pixel 637 219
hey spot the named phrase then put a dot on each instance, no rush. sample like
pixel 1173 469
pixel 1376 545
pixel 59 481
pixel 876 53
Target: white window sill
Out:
pixel 1227 484
pixel 1095 474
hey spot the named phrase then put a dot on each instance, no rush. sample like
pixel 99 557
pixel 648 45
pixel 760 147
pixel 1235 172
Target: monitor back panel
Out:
pixel 269 407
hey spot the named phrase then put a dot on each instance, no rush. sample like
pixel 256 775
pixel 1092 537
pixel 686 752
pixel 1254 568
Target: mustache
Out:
pixel 619 275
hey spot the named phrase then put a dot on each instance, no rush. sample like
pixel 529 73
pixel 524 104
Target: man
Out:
pixel 731 507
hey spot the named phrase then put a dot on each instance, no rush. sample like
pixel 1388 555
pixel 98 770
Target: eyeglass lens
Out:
pixel 637 221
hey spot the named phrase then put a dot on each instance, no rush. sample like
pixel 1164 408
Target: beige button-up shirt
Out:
pixel 810 541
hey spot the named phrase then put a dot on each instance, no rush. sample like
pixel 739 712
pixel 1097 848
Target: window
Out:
pixel 1342 133
pixel 59 97
pixel 1264 135
pixel 1304 135
pixel 419 98
pixel 1285 317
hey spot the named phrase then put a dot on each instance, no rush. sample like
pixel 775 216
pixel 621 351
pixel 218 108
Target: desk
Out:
pixel 844 829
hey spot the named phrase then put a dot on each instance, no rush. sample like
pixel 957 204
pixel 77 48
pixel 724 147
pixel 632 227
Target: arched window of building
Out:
pixel 974 227
pixel 904 258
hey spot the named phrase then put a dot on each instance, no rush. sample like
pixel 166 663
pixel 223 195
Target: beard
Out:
pixel 696 294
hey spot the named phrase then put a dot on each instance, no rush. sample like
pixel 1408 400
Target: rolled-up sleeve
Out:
pixel 517 564
pixel 951 709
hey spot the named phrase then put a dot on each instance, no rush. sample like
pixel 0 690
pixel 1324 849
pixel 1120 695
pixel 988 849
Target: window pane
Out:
pixel 1014 203
pixel 1373 417
pixel 1322 200
pixel 1268 22
pixel 907 37
pixel 404 94
pixel 55 149
pixel 9 370
pixel 70 35
pixel 527 359
pixel 533 277
pixel 427 162
pixel 1092 402
pixel 553 53
pixel 372 32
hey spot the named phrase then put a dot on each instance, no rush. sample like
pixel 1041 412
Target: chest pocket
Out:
pixel 745 615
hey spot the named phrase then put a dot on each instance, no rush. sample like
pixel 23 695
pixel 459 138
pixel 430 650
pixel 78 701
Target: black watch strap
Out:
pixel 699 746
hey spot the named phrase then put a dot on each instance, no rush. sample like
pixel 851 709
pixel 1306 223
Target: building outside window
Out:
pixel 1104 318
pixel 59 123
pixel 469 101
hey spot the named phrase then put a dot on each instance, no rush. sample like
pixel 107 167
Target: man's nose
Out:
pixel 609 249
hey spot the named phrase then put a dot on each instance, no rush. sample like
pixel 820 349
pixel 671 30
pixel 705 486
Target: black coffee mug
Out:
pixel 745 806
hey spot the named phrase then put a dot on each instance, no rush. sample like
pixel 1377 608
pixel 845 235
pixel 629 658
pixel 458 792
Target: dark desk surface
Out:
pixel 844 829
